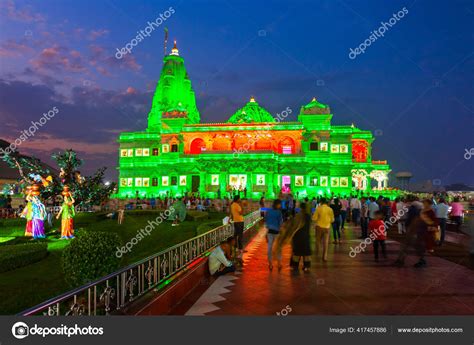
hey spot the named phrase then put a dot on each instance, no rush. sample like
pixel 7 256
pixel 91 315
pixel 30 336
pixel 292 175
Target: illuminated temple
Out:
pixel 253 151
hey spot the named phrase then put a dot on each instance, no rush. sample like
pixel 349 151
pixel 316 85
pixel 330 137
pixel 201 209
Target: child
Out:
pixel 378 234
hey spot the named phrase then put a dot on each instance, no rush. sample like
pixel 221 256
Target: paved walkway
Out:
pixel 342 286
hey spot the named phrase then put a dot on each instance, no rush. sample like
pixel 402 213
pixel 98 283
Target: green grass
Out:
pixel 30 285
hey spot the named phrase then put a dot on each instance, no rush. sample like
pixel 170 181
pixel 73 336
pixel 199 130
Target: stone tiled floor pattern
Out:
pixel 342 286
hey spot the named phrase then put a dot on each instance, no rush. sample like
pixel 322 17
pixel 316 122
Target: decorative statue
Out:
pixel 68 213
pixel 38 213
pixel 28 213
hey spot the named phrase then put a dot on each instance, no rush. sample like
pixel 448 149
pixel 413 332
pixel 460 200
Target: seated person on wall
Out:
pixel 218 262
pixel 233 254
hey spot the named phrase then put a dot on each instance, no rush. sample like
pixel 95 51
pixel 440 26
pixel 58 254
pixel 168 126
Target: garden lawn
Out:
pixel 27 286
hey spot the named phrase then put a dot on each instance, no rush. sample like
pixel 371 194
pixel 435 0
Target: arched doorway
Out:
pixel 197 146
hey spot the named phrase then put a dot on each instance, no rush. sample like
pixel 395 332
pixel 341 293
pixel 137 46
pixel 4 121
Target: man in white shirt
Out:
pixel 373 207
pixel 355 207
pixel 442 209
pixel 218 262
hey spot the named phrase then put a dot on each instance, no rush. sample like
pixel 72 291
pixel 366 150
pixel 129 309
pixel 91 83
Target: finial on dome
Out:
pixel 252 99
pixel 175 50
pixel 314 99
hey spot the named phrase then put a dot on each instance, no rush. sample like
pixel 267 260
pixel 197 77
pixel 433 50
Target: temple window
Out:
pixel 287 146
pixel 299 181
pixel 174 180
pixel 165 181
pixel 215 180
pixel 146 182
pixel 130 152
pixel 359 151
pixel 123 153
pixel 323 181
pixel 138 152
pixel 154 151
pixel 313 146
pixel 138 181
pixel 146 152
pixel 344 182
pixel 182 180
pixel 313 181
pixel 334 148
pixel 344 148
pixel 165 148
pixel 260 180
pixel 174 148
pixel 154 181
pixel 323 146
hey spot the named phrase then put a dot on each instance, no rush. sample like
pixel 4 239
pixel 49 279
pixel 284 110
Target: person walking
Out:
pixel 336 225
pixel 236 214
pixel 411 223
pixel 355 206
pixel 373 207
pixel 401 215
pixel 344 211
pixel 273 222
pixel 425 227
pixel 301 247
pixel 442 210
pixel 378 233
pixel 323 217
pixel 457 211
pixel 364 218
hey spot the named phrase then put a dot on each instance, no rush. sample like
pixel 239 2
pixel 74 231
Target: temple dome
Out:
pixel 314 107
pixel 250 113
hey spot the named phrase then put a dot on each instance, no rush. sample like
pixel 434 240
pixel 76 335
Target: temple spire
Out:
pixel 175 50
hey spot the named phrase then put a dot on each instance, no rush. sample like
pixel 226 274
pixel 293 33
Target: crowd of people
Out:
pixel 421 225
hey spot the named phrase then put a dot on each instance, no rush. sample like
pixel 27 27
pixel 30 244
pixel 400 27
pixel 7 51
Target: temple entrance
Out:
pixel 195 180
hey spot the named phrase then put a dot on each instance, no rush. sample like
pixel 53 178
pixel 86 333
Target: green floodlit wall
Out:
pixel 148 167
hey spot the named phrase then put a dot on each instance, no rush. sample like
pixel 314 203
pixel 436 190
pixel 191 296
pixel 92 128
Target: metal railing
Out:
pixel 115 291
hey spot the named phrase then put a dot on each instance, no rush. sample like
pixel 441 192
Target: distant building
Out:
pixel 252 152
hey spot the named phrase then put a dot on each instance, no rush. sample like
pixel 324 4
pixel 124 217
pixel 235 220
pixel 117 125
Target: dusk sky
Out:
pixel 413 87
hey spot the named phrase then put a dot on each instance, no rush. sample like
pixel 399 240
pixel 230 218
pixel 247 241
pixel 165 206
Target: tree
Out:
pixel 88 190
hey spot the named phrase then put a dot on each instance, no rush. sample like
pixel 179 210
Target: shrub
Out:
pixel 196 215
pixel 16 256
pixel 90 256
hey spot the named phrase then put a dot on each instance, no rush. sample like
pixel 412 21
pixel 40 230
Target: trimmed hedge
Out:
pixel 90 256
pixel 193 215
pixel 16 256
